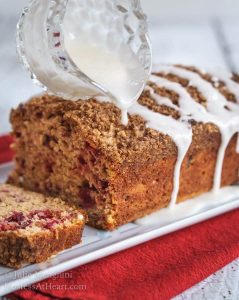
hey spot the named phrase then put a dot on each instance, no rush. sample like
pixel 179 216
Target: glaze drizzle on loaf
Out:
pixel 217 110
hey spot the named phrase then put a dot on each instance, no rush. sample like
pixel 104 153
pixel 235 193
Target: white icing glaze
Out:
pixel 191 207
pixel 225 76
pixel 180 130
pixel 161 100
pixel 215 112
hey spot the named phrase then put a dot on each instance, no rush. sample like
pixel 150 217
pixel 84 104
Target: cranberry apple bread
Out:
pixel 180 141
pixel 34 227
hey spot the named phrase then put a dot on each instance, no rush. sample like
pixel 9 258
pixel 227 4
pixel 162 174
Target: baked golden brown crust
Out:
pixel 34 227
pixel 81 151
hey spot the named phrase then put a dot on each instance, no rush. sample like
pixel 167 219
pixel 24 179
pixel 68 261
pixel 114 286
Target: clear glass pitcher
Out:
pixel 119 26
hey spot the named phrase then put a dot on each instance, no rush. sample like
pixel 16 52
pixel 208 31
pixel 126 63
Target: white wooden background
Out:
pixel 200 32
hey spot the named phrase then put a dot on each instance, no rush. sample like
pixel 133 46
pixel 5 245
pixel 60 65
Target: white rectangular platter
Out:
pixel 97 244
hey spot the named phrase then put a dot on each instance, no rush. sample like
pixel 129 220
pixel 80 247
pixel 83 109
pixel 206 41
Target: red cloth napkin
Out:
pixel 158 269
pixel 6 154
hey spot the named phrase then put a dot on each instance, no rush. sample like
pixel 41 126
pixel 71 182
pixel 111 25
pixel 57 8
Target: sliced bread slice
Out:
pixel 34 227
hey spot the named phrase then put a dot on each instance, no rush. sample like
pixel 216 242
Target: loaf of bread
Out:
pixel 34 227
pixel 180 141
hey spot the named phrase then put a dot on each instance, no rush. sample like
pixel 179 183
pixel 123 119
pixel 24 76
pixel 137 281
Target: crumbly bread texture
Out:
pixel 34 227
pixel 81 152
